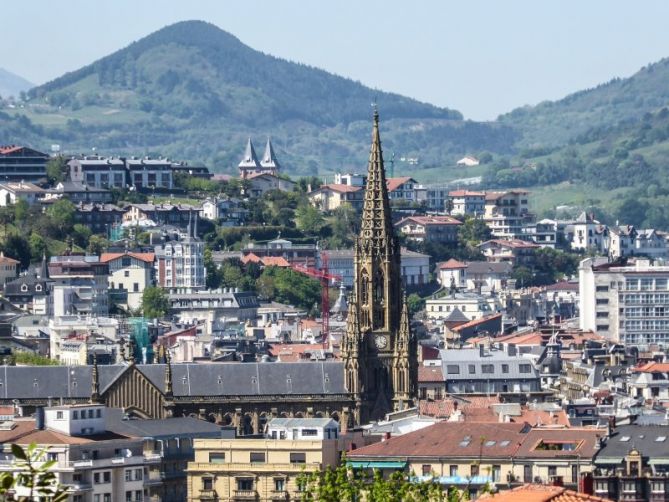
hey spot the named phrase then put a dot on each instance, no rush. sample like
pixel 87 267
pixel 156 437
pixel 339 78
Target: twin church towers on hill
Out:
pixel 378 349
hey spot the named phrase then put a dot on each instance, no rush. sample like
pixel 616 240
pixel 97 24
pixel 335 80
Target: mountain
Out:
pixel 554 123
pixel 12 84
pixel 192 91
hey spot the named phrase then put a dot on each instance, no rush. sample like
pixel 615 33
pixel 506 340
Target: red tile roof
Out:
pixel 540 493
pixel 476 322
pixel 511 243
pixel 337 187
pixel 584 443
pixel 145 257
pixel 430 220
pixel 653 367
pixel 443 439
pixel 275 261
pixel 444 408
pixel 250 258
pixel 395 183
pixel 4 150
pixel 465 193
pixel 430 374
pixel 452 264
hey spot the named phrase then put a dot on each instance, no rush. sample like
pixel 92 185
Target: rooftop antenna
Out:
pixel 392 165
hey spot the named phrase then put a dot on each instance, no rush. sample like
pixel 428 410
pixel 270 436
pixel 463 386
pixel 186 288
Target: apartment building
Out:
pixel 471 456
pixel 79 285
pixel 440 229
pixel 415 266
pixel 20 163
pixel 466 203
pixel 129 274
pixel 265 469
pixel 506 213
pixel 94 464
pixel 330 197
pixel 180 263
pixel 625 303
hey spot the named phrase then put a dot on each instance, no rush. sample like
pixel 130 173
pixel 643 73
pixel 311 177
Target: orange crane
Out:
pixel 324 276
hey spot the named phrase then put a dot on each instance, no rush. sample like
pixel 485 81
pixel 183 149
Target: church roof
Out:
pixel 188 380
pixel 269 160
pixel 250 159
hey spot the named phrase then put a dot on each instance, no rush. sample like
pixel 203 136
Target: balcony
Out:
pixel 245 495
pixel 208 495
pixel 278 495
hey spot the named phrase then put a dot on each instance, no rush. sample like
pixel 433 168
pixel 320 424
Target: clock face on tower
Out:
pixel 380 341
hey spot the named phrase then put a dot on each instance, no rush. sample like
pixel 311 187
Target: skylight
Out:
pixel 624 439
pixel 490 443
pixel 660 439
pixel 506 442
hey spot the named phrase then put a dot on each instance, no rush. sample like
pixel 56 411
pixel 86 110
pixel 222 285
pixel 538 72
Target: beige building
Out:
pixel 129 274
pixel 262 469
pixel 330 197
pixel 8 268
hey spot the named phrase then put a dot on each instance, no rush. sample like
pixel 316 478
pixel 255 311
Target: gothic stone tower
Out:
pixel 378 348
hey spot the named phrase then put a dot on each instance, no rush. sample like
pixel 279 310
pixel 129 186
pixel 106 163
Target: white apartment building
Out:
pixel 626 304
pixel 472 305
pixel 94 464
pixel 180 264
pixel 415 266
pixel 466 202
pixel 506 213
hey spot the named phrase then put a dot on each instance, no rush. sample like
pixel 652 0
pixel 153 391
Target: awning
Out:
pixel 375 465
pixel 658 461
pixel 609 460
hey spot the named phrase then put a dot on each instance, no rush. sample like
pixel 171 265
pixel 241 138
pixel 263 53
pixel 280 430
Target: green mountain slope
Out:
pixel 12 84
pixel 554 123
pixel 193 91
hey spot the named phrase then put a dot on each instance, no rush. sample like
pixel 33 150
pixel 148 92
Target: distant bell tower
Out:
pixel 378 348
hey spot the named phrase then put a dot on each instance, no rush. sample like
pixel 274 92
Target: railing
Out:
pixel 245 494
pixel 232 466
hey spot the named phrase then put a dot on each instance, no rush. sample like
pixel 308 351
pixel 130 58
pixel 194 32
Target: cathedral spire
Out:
pixel 269 161
pixel 376 222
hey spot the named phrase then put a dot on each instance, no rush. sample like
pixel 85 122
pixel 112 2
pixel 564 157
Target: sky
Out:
pixel 480 57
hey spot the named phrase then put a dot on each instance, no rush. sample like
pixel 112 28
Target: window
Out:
pixel 128 496
pixel 552 471
pixel 59 415
pixel 452 470
pixel 574 473
pixel 258 456
pixel 279 484
pixel 452 369
pixel 139 474
pixel 472 369
pixel 135 287
pixel 216 457
pixel 138 495
pixel 106 476
pixel 244 484
pixel 298 458
pixel 96 478
pixel 487 368
pixel 96 498
pixel 427 469
pixel 75 415
pixel 126 273
pixel 527 474
pixel 207 483
pixel 309 432
pixel 496 473
pixel 505 368
pixel 525 368
pixel 106 497
pixel 474 470
pixel 128 477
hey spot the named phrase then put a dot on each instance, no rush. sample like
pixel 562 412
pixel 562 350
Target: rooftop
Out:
pixel 540 493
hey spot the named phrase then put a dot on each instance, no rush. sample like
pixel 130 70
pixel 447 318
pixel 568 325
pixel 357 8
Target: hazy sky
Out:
pixel 480 57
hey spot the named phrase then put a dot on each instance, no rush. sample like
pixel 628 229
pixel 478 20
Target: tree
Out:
pixel 309 219
pixel 55 169
pixel 343 484
pixel 155 303
pixel 289 287
pixel 415 303
pixel 32 473
pixel 37 246
pixel 17 247
pixel 345 225
pixel 97 245
pixel 61 214
pixel 81 235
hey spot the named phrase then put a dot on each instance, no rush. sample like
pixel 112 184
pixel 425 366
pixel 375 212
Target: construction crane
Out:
pixel 324 276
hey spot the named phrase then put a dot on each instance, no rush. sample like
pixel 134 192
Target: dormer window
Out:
pixel 38 287
pixel 24 287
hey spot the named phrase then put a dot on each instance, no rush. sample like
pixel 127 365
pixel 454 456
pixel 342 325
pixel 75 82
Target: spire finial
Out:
pixel 168 375
pixel 95 385
pixel 376 112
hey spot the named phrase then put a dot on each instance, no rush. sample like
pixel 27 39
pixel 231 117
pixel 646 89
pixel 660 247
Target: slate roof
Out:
pixel 250 159
pixel 645 438
pixel 164 427
pixel 463 358
pixel 484 267
pixel 269 158
pixel 42 382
